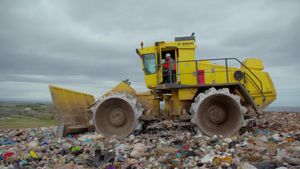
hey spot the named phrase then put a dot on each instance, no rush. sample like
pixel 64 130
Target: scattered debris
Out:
pixel 273 142
pixel 247 166
pixel 100 158
pixel 138 150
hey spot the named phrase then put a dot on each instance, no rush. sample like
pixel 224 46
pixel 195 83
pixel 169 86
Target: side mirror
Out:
pixel 137 51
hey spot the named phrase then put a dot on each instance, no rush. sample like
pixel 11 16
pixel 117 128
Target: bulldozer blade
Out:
pixel 73 115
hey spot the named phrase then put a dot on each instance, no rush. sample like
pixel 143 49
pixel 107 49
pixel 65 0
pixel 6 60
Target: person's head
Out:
pixel 168 56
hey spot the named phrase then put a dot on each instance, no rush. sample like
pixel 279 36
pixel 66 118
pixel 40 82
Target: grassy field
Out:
pixel 25 123
pixel 27 115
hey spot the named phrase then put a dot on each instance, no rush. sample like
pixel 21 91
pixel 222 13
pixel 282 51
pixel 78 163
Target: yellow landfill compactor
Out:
pixel 217 95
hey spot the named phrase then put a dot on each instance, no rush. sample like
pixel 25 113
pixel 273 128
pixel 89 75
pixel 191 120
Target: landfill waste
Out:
pixel 273 141
pixel 138 150
pixel 247 166
pixel 100 158
pixel 76 150
pixel 7 155
pixel 33 154
pixel 267 165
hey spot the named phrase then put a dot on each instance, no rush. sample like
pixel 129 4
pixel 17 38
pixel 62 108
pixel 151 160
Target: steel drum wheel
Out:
pixel 218 112
pixel 116 115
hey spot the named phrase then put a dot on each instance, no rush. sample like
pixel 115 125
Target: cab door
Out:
pixel 160 64
pixel 149 63
pixel 174 55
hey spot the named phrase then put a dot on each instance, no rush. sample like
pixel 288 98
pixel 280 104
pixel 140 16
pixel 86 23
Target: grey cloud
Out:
pixel 90 45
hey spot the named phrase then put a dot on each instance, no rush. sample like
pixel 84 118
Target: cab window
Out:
pixel 149 63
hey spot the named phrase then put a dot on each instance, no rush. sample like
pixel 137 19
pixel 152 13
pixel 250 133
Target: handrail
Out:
pixel 261 92
pixel 260 87
pixel 227 66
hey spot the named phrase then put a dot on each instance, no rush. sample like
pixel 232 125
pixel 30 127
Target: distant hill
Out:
pixel 49 103
pixel 283 108
pixel 25 101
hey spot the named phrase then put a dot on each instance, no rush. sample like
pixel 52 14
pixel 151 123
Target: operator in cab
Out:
pixel 169 69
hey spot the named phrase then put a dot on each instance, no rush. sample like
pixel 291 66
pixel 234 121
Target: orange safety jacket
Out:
pixel 168 63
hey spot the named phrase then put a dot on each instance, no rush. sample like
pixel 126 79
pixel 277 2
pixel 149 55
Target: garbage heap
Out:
pixel 272 141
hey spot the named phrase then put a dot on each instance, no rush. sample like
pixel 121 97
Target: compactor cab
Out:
pixel 154 61
pixel 214 94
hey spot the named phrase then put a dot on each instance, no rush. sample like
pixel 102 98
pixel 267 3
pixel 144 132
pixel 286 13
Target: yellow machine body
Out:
pixel 246 79
pixel 254 79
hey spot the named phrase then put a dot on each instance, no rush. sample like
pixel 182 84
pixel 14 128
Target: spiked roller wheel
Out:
pixel 218 112
pixel 117 114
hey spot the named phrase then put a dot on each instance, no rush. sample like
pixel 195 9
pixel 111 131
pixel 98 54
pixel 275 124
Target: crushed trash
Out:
pixel 246 165
pixel 7 155
pixel 267 164
pixel 100 158
pixel 138 150
pixel 33 154
pixel 273 141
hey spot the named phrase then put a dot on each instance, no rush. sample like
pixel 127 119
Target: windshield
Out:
pixel 149 63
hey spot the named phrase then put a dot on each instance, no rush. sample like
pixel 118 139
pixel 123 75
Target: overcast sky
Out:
pixel 90 45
